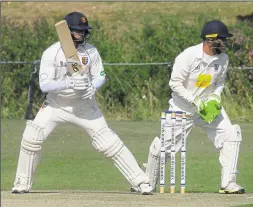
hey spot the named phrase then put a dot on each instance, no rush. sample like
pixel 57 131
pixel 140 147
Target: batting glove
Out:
pixel 77 82
pixel 89 92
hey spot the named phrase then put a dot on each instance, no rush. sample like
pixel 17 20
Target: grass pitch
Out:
pixel 69 162
pixel 123 199
pixel 72 173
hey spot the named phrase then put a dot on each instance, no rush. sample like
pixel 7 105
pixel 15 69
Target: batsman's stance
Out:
pixel 71 99
pixel 197 81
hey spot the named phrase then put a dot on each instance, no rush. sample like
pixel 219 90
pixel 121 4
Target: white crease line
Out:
pixel 47 194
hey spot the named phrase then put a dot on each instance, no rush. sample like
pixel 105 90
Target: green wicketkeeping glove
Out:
pixel 210 109
pixel 199 104
pixel 213 106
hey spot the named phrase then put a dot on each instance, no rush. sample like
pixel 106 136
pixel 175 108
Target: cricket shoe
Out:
pixel 232 188
pixel 146 189
pixel 135 189
pixel 19 189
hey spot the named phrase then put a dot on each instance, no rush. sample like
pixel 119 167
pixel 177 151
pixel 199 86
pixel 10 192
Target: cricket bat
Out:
pixel 67 44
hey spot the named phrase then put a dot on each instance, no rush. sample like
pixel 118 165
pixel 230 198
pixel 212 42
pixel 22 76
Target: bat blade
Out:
pixel 67 44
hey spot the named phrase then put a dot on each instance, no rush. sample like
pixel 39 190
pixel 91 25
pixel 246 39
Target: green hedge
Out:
pixel 131 92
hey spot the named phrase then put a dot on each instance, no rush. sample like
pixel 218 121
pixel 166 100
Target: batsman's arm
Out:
pixel 47 79
pixel 97 71
pixel 180 72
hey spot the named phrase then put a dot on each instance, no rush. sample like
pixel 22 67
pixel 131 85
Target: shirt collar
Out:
pixel 200 53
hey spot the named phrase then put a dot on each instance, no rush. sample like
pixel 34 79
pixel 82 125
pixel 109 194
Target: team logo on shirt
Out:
pixel 85 60
pixel 43 77
pixel 216 67
pixel 196 68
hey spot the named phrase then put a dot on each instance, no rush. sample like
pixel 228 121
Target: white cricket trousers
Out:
pixel 90 119
pixel 218 131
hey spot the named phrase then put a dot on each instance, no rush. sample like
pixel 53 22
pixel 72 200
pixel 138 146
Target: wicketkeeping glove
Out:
pixel 199 104
pixel 210 109
pixel 213 106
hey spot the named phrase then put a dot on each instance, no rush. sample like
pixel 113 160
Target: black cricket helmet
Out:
pixel 77 21
pixel 215 29
pixel 216 33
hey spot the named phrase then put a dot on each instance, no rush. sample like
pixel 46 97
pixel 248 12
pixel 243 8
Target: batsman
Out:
pixel 71 99
pixel 197 81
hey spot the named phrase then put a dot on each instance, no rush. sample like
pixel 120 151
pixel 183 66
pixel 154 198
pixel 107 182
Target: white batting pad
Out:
pixel 29 155
pixel 152 167
pixel 229 156
pixel 108 142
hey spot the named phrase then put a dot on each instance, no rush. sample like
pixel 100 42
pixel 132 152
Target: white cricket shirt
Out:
pixel 53 70
pixel 196 73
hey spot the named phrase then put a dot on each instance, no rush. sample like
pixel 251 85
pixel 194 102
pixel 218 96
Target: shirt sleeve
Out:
pixel 97 71
pixel 179 75
pixel 220 84
pixel 47 73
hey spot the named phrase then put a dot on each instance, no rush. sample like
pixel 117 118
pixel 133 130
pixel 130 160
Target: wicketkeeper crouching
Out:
pixel 197 81
pixel 71 99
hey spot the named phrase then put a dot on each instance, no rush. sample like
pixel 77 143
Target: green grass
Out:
pixel 69 161
pixel 115 11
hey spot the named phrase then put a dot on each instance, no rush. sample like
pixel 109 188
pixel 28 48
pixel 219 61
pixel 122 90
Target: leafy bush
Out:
pixel 131 92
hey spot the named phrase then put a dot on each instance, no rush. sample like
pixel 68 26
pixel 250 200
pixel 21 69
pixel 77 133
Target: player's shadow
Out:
pixel 78 192
pixel 39 192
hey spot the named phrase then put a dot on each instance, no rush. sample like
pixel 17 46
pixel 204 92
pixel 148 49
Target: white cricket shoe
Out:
pixel 19 189
pixel 232 188
pixel 146 189
pixel 136 189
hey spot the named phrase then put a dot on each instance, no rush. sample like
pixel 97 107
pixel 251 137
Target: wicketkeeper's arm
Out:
pixel 220 84
pixel 180 72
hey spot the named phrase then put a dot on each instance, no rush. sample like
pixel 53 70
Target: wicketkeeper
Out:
pixel 197 81
pixel 71 99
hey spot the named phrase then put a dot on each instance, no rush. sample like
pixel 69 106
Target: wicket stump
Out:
pixel 169 120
